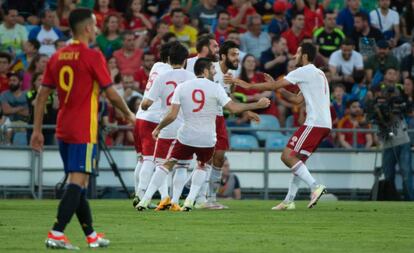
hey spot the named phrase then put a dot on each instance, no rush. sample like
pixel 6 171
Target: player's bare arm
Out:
pixel 168 119
pixel 119 102
pixel 37 140
pixel 235 107
pixel 292 97
pixel 266 86
pixel 146 103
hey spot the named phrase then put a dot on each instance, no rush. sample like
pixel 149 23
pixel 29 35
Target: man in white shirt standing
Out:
pixel 146 122
pixel 387 21
pixel 163 90
pixel 314 89
pixel 207 47
pixel 199 100
pixel 46 33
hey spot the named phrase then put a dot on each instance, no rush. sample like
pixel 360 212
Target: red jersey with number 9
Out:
pixel 78 73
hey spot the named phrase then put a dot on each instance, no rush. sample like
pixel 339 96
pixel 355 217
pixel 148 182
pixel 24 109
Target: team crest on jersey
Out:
pixel 293 140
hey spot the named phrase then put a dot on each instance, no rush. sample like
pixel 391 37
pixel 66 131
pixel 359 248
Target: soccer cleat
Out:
pixel 152 206
pixel 316 195
pixel 175 207
pixel 135 201
pixel 59 242
pixel 187 207
pixel 212 205
pixel 142 205
pixel 284 206
pixel 98 241
pixel 164 204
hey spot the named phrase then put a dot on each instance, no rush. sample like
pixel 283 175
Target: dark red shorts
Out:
pixel 183 152
pixel 163 148
pixel 307 139
pixel 144 143
pixel 221 132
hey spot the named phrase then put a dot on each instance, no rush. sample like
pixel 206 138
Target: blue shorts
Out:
pixel 78 157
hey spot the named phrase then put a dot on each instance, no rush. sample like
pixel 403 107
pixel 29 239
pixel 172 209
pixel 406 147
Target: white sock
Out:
pixel 293 188
pixel 163 190
pixel 179 181
pixel 202 195
pixel 158 178
pixel 197 181
pixel 214 184
pixel 300 170
pixel 56 233
pixel 93 234
pixel 147 169
pixel 136 176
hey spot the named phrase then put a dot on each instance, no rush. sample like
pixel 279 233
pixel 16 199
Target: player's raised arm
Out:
pixel 292 97
pixel 235 107
pixel 266 86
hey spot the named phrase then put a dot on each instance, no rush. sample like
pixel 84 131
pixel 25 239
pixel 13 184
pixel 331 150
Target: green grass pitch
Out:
pixel 248 226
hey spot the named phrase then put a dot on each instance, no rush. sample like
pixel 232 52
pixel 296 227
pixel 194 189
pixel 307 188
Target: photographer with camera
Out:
pixel 387 110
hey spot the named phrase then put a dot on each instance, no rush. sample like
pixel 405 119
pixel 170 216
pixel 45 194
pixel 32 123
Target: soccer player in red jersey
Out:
pixel 78 73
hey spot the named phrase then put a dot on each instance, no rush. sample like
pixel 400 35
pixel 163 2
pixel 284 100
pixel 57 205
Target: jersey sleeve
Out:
pixel 100 71
pixel 177 94
pixel 295 76
pixel 222 96
pixel 155 90
pixel 48 75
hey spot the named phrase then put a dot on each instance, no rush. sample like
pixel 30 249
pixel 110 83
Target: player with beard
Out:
pixel 145 123
pixel 225 71
pixel 207 47
pixel 314 89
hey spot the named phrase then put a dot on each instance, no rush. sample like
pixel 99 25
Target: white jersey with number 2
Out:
pixel 199 100
pixel 163 90
pixel 154 112
pixel 315 89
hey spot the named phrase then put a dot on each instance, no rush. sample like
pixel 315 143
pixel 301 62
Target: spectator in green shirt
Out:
pixel 110 39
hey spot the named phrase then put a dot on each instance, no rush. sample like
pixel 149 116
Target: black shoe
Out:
pixel 135 201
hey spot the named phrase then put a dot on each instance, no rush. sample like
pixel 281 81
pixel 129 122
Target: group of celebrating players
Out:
pixel 181 116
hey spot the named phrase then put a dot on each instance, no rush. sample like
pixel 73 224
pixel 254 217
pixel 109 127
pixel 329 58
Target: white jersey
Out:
pixel 219 78
pixel 199 99
pixel 190 63
pixel 315 89
pixel 154 112
pixel 163 90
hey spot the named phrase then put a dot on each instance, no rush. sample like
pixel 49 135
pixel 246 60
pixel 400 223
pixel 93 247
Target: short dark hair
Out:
pixel 147 53
pixel 276 39
pixel 165 51
pixel 350 102
pixel 35 43
pixel 348 42
pixel 362 15
pixel 176 10
pixel 358 75
pixel 6 55
pixel 310 50
pixel 178 54
pixel 204 41
pixel 297 13
pixel 166 37
pixel 328 12
pixel 338 85
pixel 8 9
pixel 201 64
pixel 226 46
pixel 77 16
pixel 222 12
pixel 127 33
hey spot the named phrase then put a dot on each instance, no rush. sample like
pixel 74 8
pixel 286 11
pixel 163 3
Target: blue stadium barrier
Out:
pixel 266 122
pixel 243 141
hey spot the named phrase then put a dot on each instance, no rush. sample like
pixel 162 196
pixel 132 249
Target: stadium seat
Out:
pixel 243 141
pixel 266 122
pixel 20 139
pixel 276 141
pixel 290 121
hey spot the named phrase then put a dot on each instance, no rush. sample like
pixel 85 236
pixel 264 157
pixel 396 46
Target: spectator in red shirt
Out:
pixel 101 10
pixel 129 56
pixel 239 11
pixel 141 76
pixel 221 31
pixel 296 33
pixel 162 29
pixel 250 75
pixel 354 119
pixel 5 60
pixel 64 7
pixel 174 5
pixel 135 20
pixel 313 13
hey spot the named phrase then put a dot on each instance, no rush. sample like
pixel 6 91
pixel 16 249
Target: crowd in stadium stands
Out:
pixel 365 47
